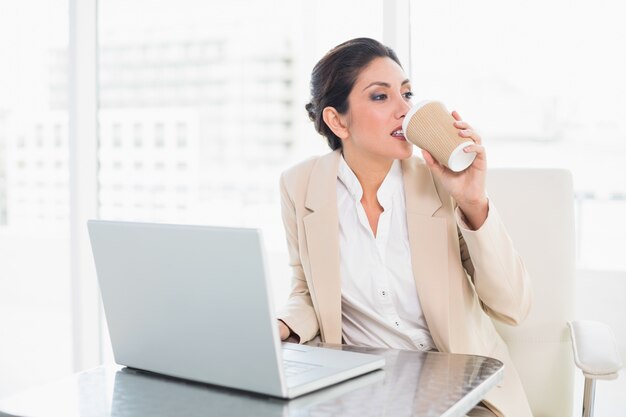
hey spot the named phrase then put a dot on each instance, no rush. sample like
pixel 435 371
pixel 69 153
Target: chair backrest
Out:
pixel 537 207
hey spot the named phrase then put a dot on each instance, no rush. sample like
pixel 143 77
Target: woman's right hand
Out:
pixel 283 330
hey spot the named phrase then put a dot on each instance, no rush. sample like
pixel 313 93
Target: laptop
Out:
pixel 193 302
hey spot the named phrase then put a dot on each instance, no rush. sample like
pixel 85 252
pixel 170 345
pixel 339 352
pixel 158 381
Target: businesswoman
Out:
pixel 392 250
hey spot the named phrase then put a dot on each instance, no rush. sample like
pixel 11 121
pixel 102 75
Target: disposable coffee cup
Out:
pixel 430 126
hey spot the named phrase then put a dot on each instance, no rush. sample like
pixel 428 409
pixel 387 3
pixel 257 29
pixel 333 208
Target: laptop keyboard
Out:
pixel 292 368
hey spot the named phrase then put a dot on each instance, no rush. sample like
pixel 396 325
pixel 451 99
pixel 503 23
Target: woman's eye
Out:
pixel 408 95
pixel 379 97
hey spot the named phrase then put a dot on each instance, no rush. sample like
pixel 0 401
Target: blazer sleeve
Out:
pixel 497 271
pixel 298 312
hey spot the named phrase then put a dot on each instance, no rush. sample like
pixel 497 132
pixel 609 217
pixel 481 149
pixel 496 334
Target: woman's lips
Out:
pixel 398 134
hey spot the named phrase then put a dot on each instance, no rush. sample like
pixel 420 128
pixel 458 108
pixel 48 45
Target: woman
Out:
pixel 390 250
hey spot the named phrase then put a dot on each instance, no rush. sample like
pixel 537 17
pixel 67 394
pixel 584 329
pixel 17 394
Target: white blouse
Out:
pixel 379 300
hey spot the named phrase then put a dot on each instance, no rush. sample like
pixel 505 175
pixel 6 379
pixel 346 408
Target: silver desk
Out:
pixel 411 384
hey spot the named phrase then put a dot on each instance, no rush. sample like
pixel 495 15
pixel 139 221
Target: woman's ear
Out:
pixel 336 122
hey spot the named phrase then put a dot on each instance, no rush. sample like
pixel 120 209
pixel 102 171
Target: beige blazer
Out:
pixel 458 293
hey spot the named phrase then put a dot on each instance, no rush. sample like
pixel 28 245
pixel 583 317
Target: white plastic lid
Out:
pixel 460 160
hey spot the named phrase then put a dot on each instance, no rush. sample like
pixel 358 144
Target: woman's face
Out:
pixel 377 104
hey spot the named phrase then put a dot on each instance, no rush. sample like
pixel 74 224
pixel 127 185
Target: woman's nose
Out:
pixel 403 107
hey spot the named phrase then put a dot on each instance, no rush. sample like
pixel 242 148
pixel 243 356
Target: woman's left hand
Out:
pixel 466 187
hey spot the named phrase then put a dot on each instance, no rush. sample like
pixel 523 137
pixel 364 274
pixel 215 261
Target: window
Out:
pixel 58 135
pixel 159 135
pixel 35 317
pixel 116 133
pixel 541 95
pixel 223 109
pixel 137 135
pixel 181 135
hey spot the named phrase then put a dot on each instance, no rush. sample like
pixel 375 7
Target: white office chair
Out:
pixel 537 207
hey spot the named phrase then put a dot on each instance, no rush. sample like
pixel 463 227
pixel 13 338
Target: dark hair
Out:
pixel 334 76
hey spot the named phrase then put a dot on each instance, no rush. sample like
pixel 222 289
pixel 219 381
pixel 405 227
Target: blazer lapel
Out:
pixel 428 240
pixel 321 228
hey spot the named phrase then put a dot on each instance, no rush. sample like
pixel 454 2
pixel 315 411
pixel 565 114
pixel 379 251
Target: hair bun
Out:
pixel 310 108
